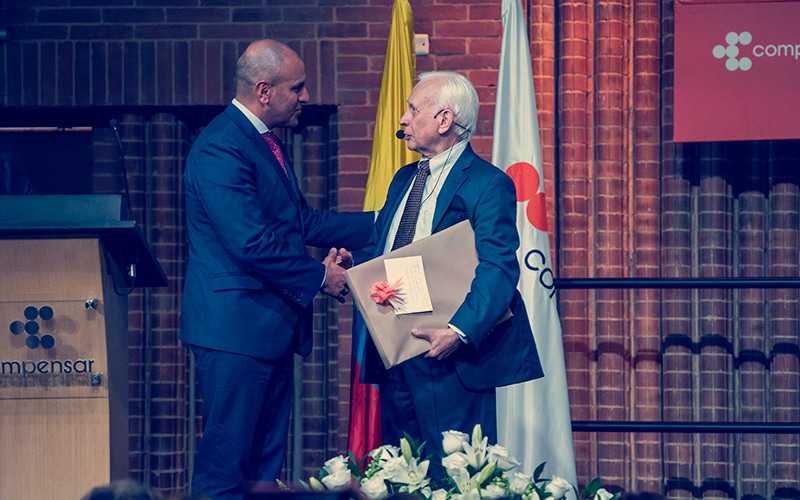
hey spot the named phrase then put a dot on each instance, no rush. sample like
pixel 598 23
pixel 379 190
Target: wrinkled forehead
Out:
pixel 423 95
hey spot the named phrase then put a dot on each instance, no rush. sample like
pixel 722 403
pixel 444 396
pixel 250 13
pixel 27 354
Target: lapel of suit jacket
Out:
pixel 263 149
pixel 402 180
pixel 454 180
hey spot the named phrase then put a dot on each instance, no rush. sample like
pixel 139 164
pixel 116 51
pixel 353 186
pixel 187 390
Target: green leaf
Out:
pixel 352 458
pixel 591 488
pixel 354 469
pixel 537 473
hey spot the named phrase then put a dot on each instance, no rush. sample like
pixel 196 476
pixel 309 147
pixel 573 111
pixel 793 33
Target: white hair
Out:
pixel 457 94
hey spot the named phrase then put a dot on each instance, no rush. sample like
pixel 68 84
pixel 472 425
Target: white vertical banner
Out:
pixel 533 417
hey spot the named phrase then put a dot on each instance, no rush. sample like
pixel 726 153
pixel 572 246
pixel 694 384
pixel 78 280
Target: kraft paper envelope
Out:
pixel 449 260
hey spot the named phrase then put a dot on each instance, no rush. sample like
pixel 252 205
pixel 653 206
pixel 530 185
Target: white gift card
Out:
pixel 413 288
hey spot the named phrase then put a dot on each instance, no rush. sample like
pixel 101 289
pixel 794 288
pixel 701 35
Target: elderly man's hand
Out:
pixel 444 341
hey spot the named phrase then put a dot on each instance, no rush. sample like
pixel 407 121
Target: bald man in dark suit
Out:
pixel 249 281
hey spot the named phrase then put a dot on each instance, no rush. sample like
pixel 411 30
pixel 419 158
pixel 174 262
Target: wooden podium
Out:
pixel 66 266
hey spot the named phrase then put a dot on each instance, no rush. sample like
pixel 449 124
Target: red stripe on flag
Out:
pixel 365 415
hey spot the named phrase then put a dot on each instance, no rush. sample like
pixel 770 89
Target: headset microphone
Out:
pixel 400 134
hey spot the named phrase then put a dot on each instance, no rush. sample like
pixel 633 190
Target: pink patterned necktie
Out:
pixel 408 221
pixel 272 141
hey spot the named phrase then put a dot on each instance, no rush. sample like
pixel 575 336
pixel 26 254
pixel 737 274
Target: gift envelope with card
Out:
pixel 418 286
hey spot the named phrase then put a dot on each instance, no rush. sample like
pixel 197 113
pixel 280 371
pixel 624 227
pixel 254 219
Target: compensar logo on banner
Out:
pixel 740 50
pixel 737 68
pixel 732 49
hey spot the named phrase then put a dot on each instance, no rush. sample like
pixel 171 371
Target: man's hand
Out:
pixel 444 341
pixel 335 284
pixel 344 258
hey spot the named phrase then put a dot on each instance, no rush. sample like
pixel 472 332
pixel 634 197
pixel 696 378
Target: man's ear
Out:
pixel 263 92
pixel 445 120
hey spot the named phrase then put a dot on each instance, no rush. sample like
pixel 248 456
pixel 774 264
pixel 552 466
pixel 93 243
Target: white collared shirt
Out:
pixel 256 121
pixel 440 166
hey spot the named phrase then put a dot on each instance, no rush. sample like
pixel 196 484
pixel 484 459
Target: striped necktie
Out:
pixel 408 221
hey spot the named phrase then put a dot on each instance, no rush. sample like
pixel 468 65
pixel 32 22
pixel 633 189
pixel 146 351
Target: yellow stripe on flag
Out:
pixel 388 155
pixel 399 71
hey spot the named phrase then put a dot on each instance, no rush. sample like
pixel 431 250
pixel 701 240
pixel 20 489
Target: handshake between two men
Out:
pixel 336 262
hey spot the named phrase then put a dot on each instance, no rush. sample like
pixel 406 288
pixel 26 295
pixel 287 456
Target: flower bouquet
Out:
pixel 472 470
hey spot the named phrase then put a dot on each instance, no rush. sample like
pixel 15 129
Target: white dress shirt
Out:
pixel 440 166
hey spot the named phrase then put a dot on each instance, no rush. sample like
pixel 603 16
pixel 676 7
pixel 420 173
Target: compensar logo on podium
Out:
pixel 36 354
pixel 737 68
pixel 36 327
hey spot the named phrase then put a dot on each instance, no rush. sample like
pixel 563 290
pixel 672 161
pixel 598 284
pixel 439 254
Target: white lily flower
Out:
pixel 476 471
pixel 476 453
pixel 464 482
pixel 417 475
pixel 411 473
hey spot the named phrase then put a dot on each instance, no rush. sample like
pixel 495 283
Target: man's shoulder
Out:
pixel 477 162
pixel 223 127
pixel 225 122
pixel 480 167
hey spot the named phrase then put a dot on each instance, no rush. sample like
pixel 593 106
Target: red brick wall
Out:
pixel 623 200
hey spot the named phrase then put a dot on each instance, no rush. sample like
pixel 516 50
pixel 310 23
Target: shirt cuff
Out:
pixel 461 335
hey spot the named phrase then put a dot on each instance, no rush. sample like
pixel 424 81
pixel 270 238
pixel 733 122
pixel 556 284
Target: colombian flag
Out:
pixel 388 155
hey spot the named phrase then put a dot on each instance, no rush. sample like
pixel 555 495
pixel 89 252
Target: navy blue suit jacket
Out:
pixel 497 354
pixel 249 282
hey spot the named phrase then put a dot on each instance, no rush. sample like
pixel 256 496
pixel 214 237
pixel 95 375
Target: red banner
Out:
pixel 737 70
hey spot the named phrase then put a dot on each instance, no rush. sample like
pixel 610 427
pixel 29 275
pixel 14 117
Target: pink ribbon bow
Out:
pixel 385 294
